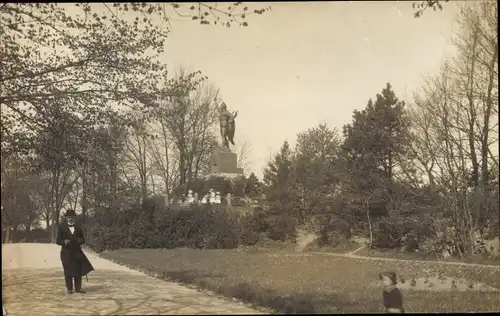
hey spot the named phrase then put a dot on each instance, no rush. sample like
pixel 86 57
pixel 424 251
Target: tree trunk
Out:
pixel 55 207
pixel 14 233
pixel 472 115
pixel 167 194
pixel 144 167
pixel 166 169
pixel 84 202
pixel 475 164
pixel 114 177
pixel 7 235
pixel 53 231
pixel 487 114
pixel 28 232
pixel 144 188
pixel 182 167
pixel 153 185
pixel 367 206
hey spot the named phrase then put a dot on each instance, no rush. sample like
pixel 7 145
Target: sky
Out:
pixel 306 63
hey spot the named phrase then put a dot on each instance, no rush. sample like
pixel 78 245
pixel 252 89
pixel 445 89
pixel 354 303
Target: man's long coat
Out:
pixel 74 261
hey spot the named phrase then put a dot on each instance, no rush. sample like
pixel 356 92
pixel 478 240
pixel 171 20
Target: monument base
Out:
pixel 224 163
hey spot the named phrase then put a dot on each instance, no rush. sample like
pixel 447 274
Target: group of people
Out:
pixel 76 265
pixel 211 197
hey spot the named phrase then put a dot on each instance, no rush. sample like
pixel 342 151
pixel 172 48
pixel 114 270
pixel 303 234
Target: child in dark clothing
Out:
pixel 393 300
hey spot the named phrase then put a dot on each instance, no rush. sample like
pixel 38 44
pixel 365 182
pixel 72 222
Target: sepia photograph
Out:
pixel 296 157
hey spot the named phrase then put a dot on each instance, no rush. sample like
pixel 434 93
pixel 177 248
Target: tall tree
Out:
pixel 449 151
pixel 280 179
pixel 316 152
pixel 378 135
pixel 476 75
pixel 422 145
pixel 18 205
pixel 57 154
pixel 461 124
pixel 373 144
pixel 253 187
pixel 188 112
pixel 165 158
pixel 137 153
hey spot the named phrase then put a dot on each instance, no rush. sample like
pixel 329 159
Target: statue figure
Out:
pixel 227 125
pixel 190 198
pixel 205 199
pixel 212 196
pixel 217 198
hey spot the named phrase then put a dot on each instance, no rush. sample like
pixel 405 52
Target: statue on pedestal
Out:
pixel 212 196
pixel 196 198
pixel 227 125
pixel 217 198
pixel 190 198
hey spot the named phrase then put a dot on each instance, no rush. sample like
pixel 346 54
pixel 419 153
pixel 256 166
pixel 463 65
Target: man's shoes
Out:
pixel 81 291
pixel 70 291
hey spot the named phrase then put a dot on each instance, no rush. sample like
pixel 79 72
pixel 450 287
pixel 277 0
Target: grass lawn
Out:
pixel 291 282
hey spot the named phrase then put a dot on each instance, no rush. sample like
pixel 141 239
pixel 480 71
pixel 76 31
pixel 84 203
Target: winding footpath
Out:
pixel 353 255
pixel 33 284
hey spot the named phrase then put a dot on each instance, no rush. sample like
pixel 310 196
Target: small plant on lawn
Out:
pixel 413 282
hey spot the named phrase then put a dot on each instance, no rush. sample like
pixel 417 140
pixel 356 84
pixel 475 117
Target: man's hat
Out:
pixel 70 212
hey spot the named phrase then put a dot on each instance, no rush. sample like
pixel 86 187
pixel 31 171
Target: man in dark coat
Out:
pixel 75 263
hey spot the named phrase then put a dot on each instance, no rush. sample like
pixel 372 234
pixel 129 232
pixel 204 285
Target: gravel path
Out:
pixel 353 255
pixel 33 284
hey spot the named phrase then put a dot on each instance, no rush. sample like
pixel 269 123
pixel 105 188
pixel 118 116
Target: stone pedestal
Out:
pixel 224 164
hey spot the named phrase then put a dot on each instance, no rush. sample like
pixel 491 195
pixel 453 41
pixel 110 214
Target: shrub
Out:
pixel 259 220
pixel 141 234
pixel 282 228
pixel 249 234
pixel 37 235
pixel 396 231
pixel 389 233
pixel 101 238
pixel 333 230
pixel 151 226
